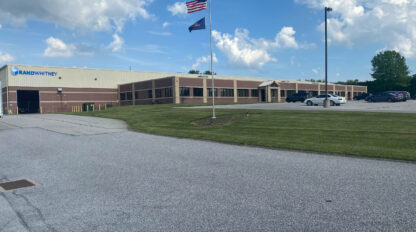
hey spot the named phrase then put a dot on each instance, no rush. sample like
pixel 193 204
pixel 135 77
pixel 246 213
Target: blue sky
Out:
pixel 277 39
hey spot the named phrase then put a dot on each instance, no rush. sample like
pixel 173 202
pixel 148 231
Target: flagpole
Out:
pixel 212 59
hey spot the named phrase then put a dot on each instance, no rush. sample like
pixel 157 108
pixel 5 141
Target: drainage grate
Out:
pixel 12 185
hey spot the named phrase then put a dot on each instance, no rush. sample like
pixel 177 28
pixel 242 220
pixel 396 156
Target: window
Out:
pixel 122 96
pixel 291 93
pixel 282 93
pixel 314 93
pixel 198 92
pixel 210 92
pixel 184 92
pixel 227 92
pixel 136 95
pixel 149 94
pixel 168 92
pixel 242 92
pixel 254 92
pixel 158 93
pixel 274 92
pixel 129 96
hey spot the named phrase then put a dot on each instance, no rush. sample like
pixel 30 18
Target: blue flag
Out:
pixel 200 25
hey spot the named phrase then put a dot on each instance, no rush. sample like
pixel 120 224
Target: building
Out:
pixel 40 89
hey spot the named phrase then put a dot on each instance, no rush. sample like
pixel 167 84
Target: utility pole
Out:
pixel 326 103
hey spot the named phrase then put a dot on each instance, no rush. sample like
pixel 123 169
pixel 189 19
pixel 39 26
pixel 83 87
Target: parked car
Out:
pixel 362 96
pixel 401 95
pixel 383 97
pixel 319 100
pixel 298 97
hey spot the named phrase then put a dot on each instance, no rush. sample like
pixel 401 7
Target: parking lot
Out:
pixel 362 106
pixel 95 175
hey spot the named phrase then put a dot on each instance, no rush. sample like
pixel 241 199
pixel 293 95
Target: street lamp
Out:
pixel 326 103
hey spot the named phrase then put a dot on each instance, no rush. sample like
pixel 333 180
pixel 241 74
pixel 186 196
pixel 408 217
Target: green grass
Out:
pixel 380 135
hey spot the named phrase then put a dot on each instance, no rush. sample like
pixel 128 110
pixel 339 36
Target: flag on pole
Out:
pixel 200 25
pixel 196 5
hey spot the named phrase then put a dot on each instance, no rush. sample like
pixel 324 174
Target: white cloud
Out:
pixel 204 59
pixel 117 43
pixel 161 33
pixel 355 22
pixel 243 51
pixel 5 57
pixel 179 8
pixel 165 24
pixel 57 48
pixel 96 15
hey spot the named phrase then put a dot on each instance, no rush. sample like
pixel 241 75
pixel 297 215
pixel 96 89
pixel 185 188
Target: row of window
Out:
pixel 199 92
pixel 159 93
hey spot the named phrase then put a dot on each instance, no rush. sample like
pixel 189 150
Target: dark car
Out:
pixel 362 96
pixel 298 97
pixel 401 94
pixel 383 97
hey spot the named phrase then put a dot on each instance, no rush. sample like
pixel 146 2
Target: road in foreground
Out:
pixel 117 180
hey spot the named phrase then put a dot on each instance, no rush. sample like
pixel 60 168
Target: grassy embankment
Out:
pixel 380 135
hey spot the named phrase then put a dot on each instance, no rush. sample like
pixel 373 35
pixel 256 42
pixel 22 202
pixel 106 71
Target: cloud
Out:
pixel 58 48
pixel 96 15
pixel 356 22
pixel 179 8
pixel 149 48
pixel 204 59
pixel 165 24
pixel 243 51
pixel 5 57
pixel 315 71
pixel 161 33
pixel 117 43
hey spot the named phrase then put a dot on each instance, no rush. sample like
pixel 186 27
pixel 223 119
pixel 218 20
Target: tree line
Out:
pixel 390 73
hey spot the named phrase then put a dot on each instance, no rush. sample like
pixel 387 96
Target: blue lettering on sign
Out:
pixel 15 72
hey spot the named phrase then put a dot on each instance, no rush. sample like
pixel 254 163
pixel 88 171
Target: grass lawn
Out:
pixel 381 135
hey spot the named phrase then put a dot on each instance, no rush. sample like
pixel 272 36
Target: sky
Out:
pixel 273 39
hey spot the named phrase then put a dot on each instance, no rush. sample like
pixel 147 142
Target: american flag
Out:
pixel 196 5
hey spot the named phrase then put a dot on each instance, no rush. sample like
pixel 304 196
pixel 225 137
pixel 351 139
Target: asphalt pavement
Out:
pixel 361 106
pixel 95 175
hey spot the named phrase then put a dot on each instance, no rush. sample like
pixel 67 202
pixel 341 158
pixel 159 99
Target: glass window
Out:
pixel 122 96
pixel 227 92
pixel 282 93
pixel 198 92
pixel 129 96
pixel 158 93
pixel 184 91
pixel 291 93
pixel 149 94
pixel 136 95
pixel 274 92
pixel 242 92
pixel 254 92
pixel 210 92
pixel 168 92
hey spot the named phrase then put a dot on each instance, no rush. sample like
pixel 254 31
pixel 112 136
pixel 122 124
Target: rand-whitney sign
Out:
pixel 16 72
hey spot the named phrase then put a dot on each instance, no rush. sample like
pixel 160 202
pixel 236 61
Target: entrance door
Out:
pixel 263 95
pixel 28 101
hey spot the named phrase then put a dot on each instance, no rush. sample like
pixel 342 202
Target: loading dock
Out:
pixel 28 101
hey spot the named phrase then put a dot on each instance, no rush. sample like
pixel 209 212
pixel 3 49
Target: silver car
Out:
pixel 319 100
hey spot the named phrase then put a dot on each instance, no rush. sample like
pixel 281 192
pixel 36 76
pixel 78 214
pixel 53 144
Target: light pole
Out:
pixel 326 103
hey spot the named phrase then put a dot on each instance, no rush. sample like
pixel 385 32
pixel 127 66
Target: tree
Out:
pixel 350 82
pixel 193 71
pixel 390 71
pixel 209 73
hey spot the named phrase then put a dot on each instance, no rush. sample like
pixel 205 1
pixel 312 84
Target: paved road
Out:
pixel 118 180
pixel 397 107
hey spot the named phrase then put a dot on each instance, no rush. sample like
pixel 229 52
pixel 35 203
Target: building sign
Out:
pixel 15 72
